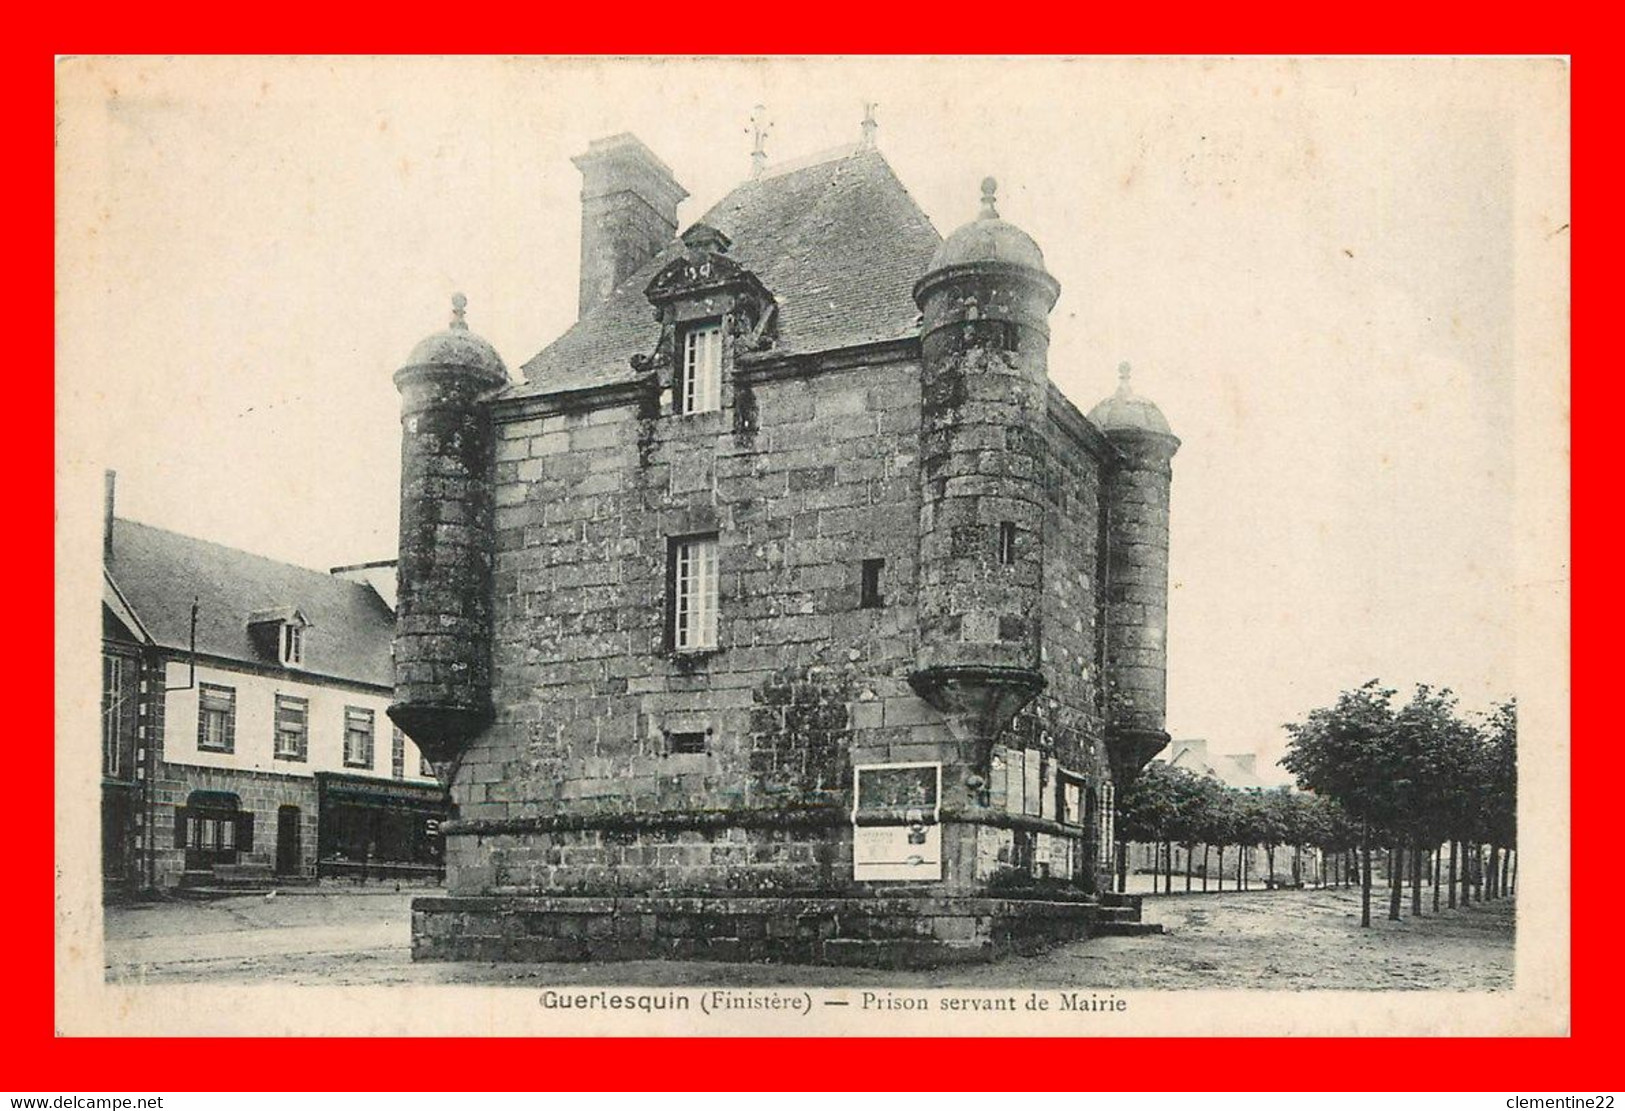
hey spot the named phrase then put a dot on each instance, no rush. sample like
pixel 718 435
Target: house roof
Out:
pixel 836 239
pixel 1230 768
pixel 158 573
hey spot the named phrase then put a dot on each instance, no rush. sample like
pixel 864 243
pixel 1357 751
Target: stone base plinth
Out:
pixel 899 932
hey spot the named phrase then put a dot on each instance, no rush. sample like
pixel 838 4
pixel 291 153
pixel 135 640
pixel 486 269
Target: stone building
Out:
pixel 245 742
pixel 785 608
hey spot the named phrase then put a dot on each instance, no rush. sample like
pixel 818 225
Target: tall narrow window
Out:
pixel 118 711
pixel 870 597
pixel 397 754
pixel 292 728
pixel 694 593
pixel 1007 542
pixel 293 644
pixel 699 386
pixel 357 737
pixel 216 718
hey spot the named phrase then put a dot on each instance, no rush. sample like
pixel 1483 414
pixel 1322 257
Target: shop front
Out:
pixel 370 829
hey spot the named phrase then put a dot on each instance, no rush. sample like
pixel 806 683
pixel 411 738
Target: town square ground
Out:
pixel 1263 940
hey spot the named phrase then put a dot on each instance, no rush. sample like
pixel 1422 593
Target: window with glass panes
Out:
pixel 292 727
pixel 699 385
pixel 293 645
pixel 694 593
pixel 119 690
pixel 397 753
pixel 357 737
pixel 216 718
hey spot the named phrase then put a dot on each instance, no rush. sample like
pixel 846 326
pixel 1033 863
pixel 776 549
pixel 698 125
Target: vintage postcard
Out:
pixel 779 546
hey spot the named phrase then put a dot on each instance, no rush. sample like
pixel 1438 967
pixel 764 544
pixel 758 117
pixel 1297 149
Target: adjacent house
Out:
pixel 244 729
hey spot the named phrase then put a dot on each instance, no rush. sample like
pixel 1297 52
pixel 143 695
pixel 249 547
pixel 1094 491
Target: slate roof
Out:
pixel 838 241
pixel 159 572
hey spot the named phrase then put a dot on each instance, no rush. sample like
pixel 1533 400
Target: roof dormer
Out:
pixel 278 634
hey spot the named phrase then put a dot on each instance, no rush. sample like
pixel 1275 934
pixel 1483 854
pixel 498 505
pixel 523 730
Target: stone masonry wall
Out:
pixel 256 792
pixel 822 476
pixel 801 477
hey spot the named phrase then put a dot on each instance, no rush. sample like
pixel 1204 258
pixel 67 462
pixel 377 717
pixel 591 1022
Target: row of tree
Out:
pixel 1411 779
pixel 1168 807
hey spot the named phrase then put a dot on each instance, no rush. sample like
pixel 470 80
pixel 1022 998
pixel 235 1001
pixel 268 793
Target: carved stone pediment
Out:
pixel 705 272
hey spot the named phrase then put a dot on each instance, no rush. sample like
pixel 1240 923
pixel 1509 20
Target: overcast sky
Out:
pixel 1310 266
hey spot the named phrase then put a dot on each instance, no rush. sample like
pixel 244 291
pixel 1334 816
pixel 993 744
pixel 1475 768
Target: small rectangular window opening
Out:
pixel 687 743
pixel 871 598
pixel 1007 542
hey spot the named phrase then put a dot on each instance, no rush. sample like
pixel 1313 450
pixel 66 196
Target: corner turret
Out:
pixel 1137 501
pixel 443 609
pixel 984 333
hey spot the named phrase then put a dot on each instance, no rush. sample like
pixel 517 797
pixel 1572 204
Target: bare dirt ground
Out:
pixel 1263 940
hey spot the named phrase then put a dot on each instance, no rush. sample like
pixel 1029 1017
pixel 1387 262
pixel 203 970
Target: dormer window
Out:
pixel 279 635
pixel 699 379
pixel 293 645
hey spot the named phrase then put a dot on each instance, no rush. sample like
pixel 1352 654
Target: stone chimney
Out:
pixel 629 204
pixel 110 482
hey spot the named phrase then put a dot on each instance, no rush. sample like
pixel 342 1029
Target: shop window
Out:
pixel 357 737
pixel 213 829
pixel 292 728
pixel 216 718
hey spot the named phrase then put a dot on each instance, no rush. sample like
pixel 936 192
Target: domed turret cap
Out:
pixel 458 348
pixel 988 239
pixel 1127 411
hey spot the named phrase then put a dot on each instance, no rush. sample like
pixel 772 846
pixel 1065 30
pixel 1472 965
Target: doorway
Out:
pixel 287 841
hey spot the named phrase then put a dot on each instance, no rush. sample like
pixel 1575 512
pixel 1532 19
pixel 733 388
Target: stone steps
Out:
pixel 1126 929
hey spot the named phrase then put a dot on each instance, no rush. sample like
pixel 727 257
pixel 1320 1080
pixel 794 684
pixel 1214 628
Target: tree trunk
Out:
pixel 1435 879
pixel 1297 865
pixel 1478 871
pixel 1205 848
pixel 1466 873
pixel 1190 852
pixel 1514 876
pixel 1416 880
pixel 1241 868
pixel 1365 879
pixel 1221 867
pixel 1506 871
pixel 1395 883
pixel 1168 875
pixel 1122 865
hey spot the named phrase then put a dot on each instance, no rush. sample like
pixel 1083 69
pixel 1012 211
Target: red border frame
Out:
pixel 37 1060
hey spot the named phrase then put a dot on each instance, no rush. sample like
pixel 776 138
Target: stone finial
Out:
pixel 990 189
pixel 869 125
pixel 1123 372
pixel 459 305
